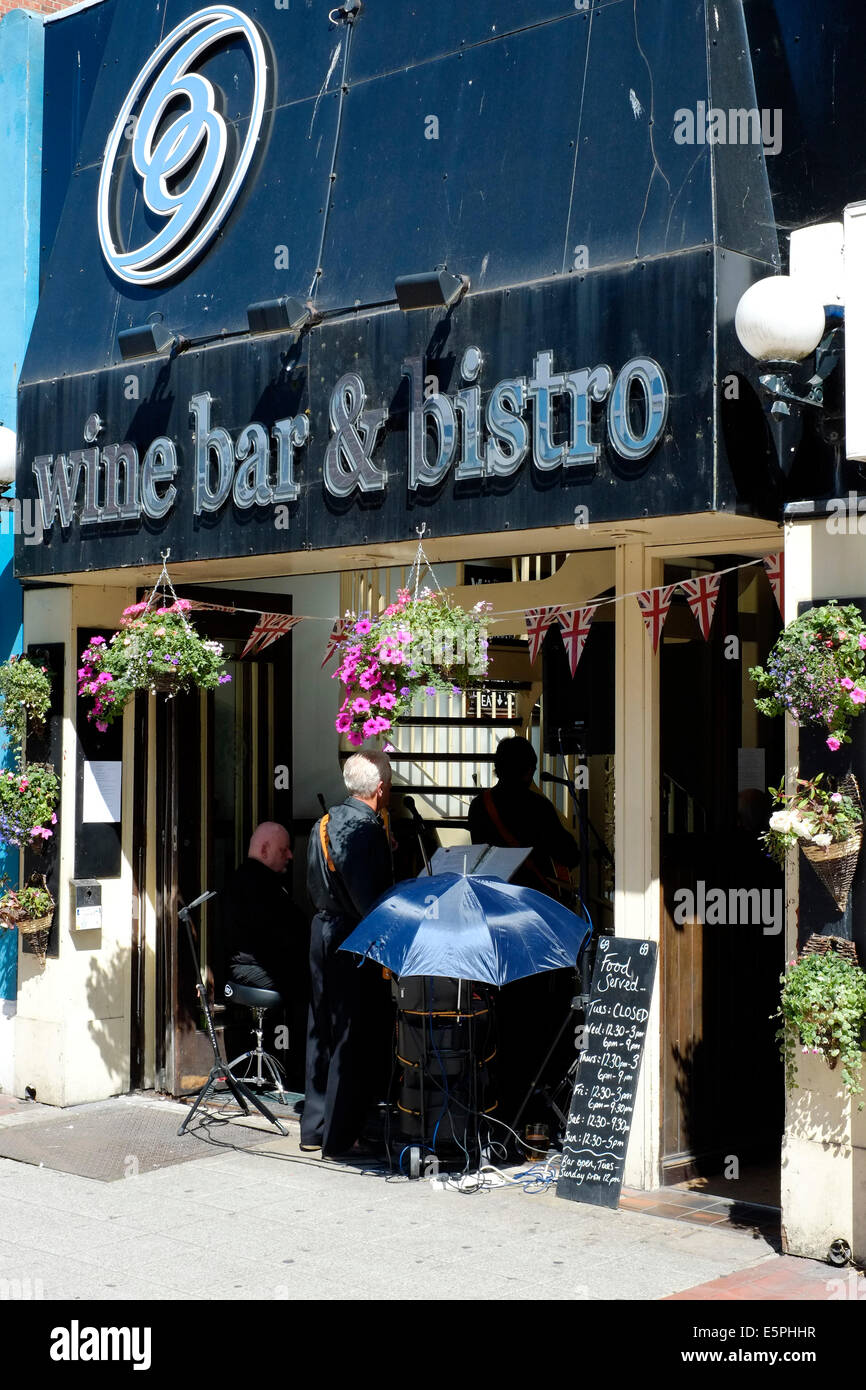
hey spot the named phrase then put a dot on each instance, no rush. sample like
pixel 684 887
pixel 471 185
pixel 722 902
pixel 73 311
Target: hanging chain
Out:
pixel 420 565
pixel 162 584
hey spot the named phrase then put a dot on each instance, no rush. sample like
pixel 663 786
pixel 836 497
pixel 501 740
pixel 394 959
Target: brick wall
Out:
pixel 36 6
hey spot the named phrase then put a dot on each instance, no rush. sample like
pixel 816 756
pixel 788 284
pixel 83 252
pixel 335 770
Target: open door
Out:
pixel 723 900
pixel 223 766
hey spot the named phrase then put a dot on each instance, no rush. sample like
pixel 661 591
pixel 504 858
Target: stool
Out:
pixel 259 1000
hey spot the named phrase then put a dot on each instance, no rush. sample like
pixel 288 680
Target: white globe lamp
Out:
pixel 7 456
pixel 779 320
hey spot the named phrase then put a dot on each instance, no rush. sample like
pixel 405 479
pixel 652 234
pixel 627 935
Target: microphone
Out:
pixel 409 803
pixel 551 777
pixel 185 911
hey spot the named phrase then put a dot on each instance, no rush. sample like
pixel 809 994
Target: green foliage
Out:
pixel 823 1008
pixel 26 694
pixel 815 672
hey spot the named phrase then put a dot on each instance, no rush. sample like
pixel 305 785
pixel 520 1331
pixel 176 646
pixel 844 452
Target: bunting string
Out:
pixel 701 594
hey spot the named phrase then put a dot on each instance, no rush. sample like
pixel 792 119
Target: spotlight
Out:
pixel 433 289
pixel 149 340
pixel 283 315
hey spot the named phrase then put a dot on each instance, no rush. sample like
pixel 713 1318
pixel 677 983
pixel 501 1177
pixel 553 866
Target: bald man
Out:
pixel 257 912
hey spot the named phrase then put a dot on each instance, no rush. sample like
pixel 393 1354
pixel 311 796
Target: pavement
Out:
pixel 276 1224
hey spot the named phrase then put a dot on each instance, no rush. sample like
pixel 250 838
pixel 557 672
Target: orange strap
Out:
pixel 561 873
pixel 326 848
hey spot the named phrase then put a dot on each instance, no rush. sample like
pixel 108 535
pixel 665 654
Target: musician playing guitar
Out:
pixel 514 813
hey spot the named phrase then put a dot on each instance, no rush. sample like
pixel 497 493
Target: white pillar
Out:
pixel 637 895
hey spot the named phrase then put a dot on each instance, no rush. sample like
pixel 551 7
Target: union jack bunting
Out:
pixel 197 605
pixel 269 628
pixel 702 595
pixel 775 567
pixel 575 624
pixel 336 638
pixel 538 620
pixel 654 605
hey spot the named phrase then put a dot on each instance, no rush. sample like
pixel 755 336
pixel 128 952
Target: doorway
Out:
pixel 223 765
pixel 722 898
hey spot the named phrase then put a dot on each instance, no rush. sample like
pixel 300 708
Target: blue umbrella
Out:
pixel 468 927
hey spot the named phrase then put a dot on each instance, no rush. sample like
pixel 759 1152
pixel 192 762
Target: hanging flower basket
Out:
pixel 28 797
pixel 815 672
pixel 26 694
pixel 31 910
pixel 826 824
pixel 156 649
pixel 418 647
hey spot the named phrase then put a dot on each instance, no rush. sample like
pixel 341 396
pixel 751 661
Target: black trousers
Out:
pixel 341 1075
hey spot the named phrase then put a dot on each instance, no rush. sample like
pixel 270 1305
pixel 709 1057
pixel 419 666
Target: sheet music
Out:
pixel 494 861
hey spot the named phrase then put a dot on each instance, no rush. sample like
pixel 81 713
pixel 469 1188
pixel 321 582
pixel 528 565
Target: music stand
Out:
pixel 220 1071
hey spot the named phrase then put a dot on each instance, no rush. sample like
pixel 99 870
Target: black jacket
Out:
pixel 358 844
pixel 532 820
pixel 257 917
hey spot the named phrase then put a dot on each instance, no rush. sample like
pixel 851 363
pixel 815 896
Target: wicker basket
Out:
pixel 165 684
pixel 35 932
pixel 835 865
pixel 822 945
pixel 31 926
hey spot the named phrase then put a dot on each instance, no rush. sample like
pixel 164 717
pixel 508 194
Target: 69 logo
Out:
pixel 179 147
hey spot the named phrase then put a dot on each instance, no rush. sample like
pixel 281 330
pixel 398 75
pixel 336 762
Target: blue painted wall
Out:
pixel 21 85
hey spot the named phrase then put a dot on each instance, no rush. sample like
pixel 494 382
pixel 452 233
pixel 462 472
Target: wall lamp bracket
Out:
pixel 284 315
pixel 433 289
pixel 150 340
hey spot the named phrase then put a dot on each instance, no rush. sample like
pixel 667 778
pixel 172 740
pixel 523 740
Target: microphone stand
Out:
pixel 409 803
pixel 221 1071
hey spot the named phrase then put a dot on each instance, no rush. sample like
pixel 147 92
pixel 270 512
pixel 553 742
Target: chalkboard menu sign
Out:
pixel 602 1105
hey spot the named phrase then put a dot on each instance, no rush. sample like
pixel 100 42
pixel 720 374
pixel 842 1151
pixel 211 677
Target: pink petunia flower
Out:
pixel 361 706
pixel 847 682
pixel 833 743
pixel 363 627
pixel 858 696
pixel 344 723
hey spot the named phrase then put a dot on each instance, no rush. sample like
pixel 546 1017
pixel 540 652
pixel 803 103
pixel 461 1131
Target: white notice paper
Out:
pixel 101 792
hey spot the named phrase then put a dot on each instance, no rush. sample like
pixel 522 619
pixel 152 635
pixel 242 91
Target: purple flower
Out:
pixel 224 678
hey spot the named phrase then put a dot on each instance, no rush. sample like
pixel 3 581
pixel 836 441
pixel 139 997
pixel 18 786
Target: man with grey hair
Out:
pixel 348 868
